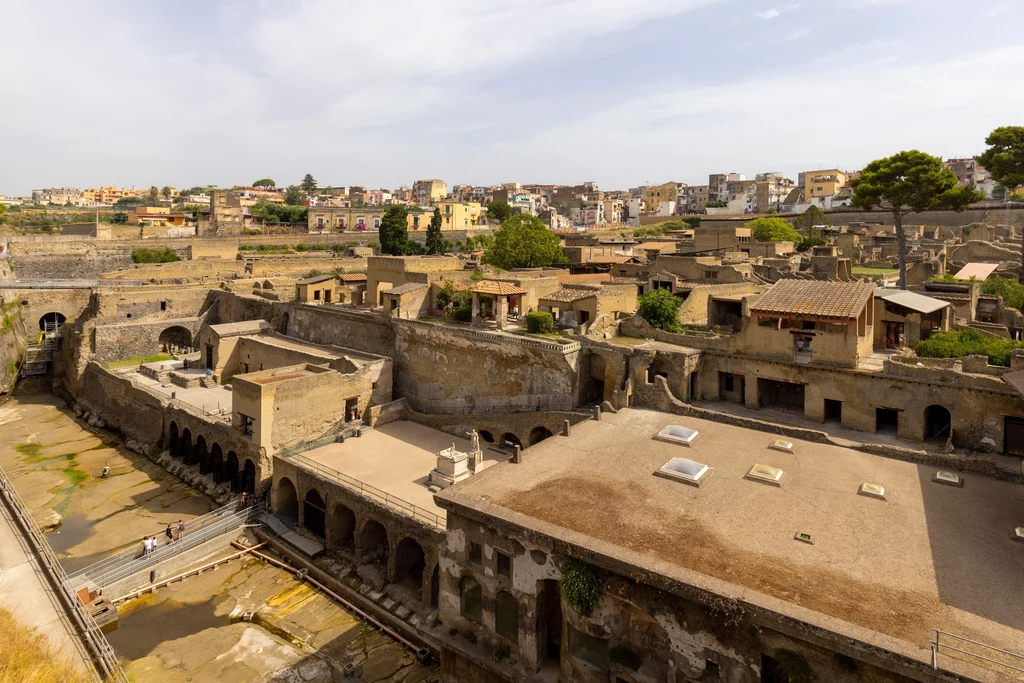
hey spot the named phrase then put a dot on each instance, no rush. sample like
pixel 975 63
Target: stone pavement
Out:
pixel 25 593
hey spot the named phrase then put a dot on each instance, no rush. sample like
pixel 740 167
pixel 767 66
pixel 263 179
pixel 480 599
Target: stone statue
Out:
pixel 475 437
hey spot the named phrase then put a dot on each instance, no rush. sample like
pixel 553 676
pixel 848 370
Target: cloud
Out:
pixel 776 12
pixel 797 34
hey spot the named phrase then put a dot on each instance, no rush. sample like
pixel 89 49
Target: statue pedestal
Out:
pixel 452 467
pixel 476 459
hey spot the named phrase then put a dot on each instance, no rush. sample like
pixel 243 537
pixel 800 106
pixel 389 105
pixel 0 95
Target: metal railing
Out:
pixel 938 646
pixel 103 656
pixel 198 531
pixel 391 501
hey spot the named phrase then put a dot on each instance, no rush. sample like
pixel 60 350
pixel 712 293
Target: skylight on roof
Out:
pixel 1017 533
pixel 765 474
pixel 947 478
pixel 685 470
pixel 872 490
pixel 781 445
pixel 677 434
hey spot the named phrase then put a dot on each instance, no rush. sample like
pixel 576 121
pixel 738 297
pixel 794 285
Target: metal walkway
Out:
pixel 39 355
pixel 228 519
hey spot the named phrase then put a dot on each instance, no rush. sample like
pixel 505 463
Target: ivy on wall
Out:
pixel 580 587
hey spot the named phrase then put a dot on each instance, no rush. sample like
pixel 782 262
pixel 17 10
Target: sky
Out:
pixel 199 92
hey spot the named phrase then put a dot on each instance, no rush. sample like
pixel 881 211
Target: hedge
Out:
pixel 540 322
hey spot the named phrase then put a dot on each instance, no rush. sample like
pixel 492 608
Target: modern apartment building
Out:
pixel 426 192
pixel 825 183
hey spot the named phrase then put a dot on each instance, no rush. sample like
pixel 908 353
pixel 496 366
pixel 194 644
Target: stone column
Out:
pixel 500 310
pixel 476 308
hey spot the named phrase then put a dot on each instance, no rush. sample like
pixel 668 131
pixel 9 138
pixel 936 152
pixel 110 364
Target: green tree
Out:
pixel 165 192
pixel 435 240
pixel 394 231
pixel 810 218
pixel 293 196
pixel 153 193
pixel 3 210
pixel 499 211
pixel 308 184
pixel 1004 159
pixel 660 308
pixel 773 229
pixel 264 182
pixel 523 241
pixel 909 182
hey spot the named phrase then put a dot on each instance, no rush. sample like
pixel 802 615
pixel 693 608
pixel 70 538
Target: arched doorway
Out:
pixel 283 325
pixel 342 528
pixel 538 434
pixel 53 320
pixel 373 544
pixel 185 445
pixel 248 483
pixel 486 436
pixel 286 502
pixel 231 470
pixel 172 439
pixel 314 513
pixel 937 423
pixel 409 565
pixel 215 463
pixel 508 439
pixel 199 453
pixel 175 339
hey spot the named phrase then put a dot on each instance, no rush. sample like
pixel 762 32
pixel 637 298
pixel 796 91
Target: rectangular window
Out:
pixel 727 382
pixel 163 305
pixel 590 649
pixel 476 553
pixel 504 564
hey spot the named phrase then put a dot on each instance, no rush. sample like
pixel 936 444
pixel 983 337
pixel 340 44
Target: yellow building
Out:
pixel 458 216
pixel 824 183
pixel 359 219
pixel 109 194
pixel 155 215
pixel 655 195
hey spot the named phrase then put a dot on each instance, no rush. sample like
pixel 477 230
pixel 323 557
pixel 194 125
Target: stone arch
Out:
pixel 185 444
pixel 172 438
pixel 510 438
pixel 52 318
pixel 231 470
pixel 341 527
pixel 538 434
pixel 471 599
pixel 248 477
pixel 373 543
pixel 937 423
pixel 506 616
pixel 314 513
pixel 286 501
pixel 174 338
pixel 215 463
pixel 200 451
pixel 486 436
pixel 410 563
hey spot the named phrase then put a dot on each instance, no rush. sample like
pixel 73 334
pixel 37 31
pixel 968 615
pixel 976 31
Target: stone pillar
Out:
pixel 500 310
pixel 476 308
pixel 517 454
pixel 566 428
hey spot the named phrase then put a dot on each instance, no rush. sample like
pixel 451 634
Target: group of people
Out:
pixel 802 345
pixel 149 543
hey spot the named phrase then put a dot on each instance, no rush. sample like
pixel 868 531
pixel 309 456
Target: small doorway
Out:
pixel 209 357
pixel 730 387
pixel 1013 435
pixel 695 386
pixel 327 296
pixel 887 421
pixel 937 423
pixel 550 618
pixel 778 394
pixel 351 408
pixel 893 334
pixel 833 411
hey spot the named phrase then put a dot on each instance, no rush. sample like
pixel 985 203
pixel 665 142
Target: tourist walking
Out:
pixel 181 529
pixel 169 534
pixel 245 500
pixel 147 546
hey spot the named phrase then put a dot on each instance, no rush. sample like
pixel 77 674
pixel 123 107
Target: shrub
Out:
pixel 773 230
pixel 540 322
pixel 463 314
pixel 968 342
pixel 581 587
pixel 1011 291
pixel 160 255
pixel 660 308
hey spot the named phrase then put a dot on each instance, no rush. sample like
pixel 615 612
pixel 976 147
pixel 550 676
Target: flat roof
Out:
pixel 911 300
pixel 929 556
pixel 978 271
pixel 396 458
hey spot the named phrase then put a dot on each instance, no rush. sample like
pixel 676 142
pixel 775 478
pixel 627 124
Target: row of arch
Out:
pixel 212 460
pixel 506 608
pixel 369 541
pixel 537 434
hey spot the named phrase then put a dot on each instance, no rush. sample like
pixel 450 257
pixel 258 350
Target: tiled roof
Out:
pixel 457 285
pixel 978 271
pixel 566 295
pixel 315 279
pixel 819 298
pixel 608 259
pixel 498 287
pixel 629 280
pixel 352 277
pixel 655 245
pixel 406 288
pixel 568 279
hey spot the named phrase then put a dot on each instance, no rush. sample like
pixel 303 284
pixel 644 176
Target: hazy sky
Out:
pixel 623 92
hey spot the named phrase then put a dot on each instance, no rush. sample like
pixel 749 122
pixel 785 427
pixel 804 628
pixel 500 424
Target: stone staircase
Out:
pixel 350 578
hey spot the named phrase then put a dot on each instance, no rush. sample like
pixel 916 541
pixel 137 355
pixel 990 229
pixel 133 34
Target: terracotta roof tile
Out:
pixel 809 297
pixel 352 277
pixel 498 287
pixel 584 277
pixel 457 285
pixel 567 295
